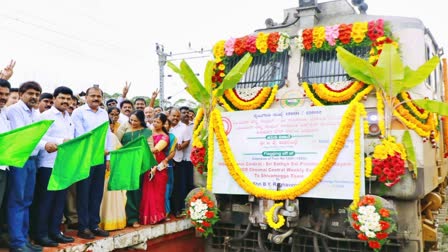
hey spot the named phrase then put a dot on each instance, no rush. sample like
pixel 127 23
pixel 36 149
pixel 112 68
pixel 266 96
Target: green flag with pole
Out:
pixel 17 145
pixel 128 163
pixel 75 157
pixel 72 162
pixel 124 174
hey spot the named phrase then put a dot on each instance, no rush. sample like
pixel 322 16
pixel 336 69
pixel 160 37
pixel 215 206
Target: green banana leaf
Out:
pixel 414 78
pixel 235 74
pixel 360 69
pixel 410 151
pixel 393 67
pixel 208 73
pixel 194 86
pixel 438 107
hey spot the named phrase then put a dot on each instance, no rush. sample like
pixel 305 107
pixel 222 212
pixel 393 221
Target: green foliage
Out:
pixel 389 74
pixel 235 74
pixel 194 86
pixel 410 151
pixel 438 107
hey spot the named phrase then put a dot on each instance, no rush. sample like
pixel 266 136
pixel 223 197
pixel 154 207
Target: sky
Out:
pixel 109 42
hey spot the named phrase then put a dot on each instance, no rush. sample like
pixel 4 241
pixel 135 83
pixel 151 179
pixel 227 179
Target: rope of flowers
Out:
pixel 198 151
pixel 325 164
pixel 345 35
pixel 210 151
pixel 357 157
pixel 380 111
pixel 368 167
pixel 270 217
pixel 419 113
pixel 262 100
pixel 406 117
pixel 373 219
pixel 325 96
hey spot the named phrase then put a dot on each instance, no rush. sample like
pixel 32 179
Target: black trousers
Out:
pixel 89 194
pixel 50 206
pixel 183 183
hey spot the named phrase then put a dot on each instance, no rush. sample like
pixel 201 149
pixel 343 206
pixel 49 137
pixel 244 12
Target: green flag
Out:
pixel 76 156
pixel 128 163
pixel 124 175
pixel 148 158
pixel 17 145
pixel 72 162
pixel 99 134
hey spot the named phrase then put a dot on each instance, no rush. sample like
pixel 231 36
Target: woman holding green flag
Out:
pixel 152 207
pixel 138 128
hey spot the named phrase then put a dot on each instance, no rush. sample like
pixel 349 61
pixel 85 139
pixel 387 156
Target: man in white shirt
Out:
pixel 21 181
pixel 179 186
pixel 89 192
pixel 186 161
pixel 45 102
pixel 5 88
pixel 50 206
pixel 126 108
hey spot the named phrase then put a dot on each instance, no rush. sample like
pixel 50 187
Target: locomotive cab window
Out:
pixel 266 70
pixel 324 67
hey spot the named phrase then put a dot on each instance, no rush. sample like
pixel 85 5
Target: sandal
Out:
pixel 135 225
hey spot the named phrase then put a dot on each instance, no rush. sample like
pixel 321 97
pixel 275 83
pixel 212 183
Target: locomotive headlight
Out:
pixel 372 119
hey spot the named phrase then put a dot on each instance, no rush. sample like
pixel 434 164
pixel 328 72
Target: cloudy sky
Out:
pixel 108 42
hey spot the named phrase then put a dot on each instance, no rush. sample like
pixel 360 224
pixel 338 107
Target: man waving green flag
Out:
pixel 76 156
pixel 17 145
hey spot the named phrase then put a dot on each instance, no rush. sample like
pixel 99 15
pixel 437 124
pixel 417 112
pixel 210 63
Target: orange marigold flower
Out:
pixel 384 212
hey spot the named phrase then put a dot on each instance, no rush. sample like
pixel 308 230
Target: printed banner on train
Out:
pixel 278 148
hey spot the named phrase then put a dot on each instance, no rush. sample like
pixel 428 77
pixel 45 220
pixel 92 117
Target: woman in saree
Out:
pixel 137 128
pixel 152 206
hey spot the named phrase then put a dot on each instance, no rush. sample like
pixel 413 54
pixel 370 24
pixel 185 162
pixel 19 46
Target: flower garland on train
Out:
pixel 308 183
pixel 202 212
pixel 312 40
pixel 251 98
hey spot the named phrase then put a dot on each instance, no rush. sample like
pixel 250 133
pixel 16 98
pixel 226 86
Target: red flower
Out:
pixel 368 200
pixel 362 237
pixel 240 45
pixel 345 33
pixel 354 216
pixel 250 44
pixel 200 229
pixel 384 212
pixel 205 199
pixel 374 244
pixel 209 214
pixel 384 225
pixel 308 38
pixel 381 236
pixel 206 224
pixel 356 226
pixel 375 29
pixel 210 204
pixel 273 41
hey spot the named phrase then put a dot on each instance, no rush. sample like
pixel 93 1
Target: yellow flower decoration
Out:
pixel 359 30
pixel 262 42
pixel 263 100
pixel 368 167
pixel 319 36
pixel 218 50
pixel 270 217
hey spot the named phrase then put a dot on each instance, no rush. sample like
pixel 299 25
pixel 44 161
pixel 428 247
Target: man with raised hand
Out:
pixel 50 206
pixel 89 192
pixel 21 181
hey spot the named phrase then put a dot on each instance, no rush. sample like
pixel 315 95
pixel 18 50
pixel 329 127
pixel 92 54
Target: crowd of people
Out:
pixel 36 214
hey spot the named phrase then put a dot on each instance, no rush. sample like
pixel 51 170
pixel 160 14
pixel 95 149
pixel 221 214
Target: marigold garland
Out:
pixel 380 110
pixel 368 167
pixel 210 151
pixel 321 95
pixel 263 100
pixel 270 217
pixel 407 118
pixel 328 160
pixel 357 157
